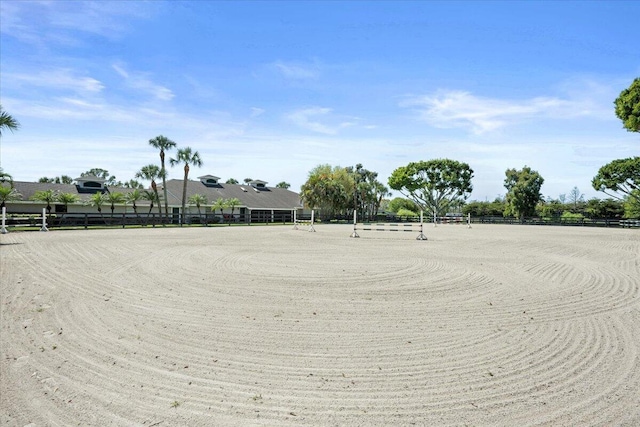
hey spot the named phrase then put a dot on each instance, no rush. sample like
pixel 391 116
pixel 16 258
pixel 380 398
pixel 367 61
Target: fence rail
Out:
pixel 85 220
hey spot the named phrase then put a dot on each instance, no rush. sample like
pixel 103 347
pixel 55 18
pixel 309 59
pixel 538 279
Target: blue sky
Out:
pixel 269 90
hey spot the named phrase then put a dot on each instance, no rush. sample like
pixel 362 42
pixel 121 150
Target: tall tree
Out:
pixel 7 122
pixel 188 157
pixel 619 176
pixel 523 191
pixel 151 173
pixel 164 144
pixel 433 184
pixel 329 189
pixel 628 106
pixel 283 184
pixel 575 197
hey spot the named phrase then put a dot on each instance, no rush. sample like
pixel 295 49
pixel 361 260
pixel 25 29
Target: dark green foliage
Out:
pixel 523 194
pixel 619 176
pixel 628 106
pixel 435 184
pixel 401 203
pixel 476 209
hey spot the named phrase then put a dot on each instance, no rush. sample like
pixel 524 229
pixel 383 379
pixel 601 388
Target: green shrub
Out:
pixel 570 216
pixel 406 212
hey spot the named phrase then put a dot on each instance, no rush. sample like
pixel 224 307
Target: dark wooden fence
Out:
pixel 86 220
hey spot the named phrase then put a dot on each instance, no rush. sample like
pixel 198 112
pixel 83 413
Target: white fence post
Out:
pixel 44 220
pixel 3 230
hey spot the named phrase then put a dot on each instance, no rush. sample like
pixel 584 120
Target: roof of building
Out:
pixel 250 197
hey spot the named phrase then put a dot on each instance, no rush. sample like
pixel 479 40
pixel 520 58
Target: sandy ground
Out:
pixel 267 326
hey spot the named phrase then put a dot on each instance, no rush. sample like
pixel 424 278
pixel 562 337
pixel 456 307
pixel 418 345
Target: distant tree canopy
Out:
pixel 338 191
pixel 401 203
pixel 523 191
pixel 619 176
pixel 475 208
pixel 628 106
pixel 434 185
pixel 231 181
pixel 62 179
pixel 283 184
pixel 368 192
pixel 110 180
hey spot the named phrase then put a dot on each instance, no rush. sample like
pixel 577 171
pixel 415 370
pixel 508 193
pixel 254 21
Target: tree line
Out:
pixel 435 186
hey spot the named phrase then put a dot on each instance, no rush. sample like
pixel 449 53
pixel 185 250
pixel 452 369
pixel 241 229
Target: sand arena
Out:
pixel 266 326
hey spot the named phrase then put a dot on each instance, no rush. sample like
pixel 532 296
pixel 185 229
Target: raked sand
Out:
pixel 266 326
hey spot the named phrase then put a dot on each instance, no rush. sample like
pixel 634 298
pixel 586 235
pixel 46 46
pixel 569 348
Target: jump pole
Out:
pixel 354 234
pixel 3 230
pixel 469 220
pixel 295 220
pixel 421 236
pixel 44 220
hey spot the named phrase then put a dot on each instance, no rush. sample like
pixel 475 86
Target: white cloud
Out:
pixel 460 109
pixel 297 71
pixel 308 119
pixel 43 23
pixel 140 82
pixel 55 79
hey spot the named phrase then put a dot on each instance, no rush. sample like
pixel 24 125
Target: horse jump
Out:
pixel 452 220
pixel 411 226
pixel 304 222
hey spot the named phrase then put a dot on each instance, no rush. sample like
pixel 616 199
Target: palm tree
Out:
pixel 151 197
pixel 232 203
pixel 8 194
pixel 7 122
pixel 5 177
pixel 132 198
pixel 164 144
pixel 198 200
pixel 48 197
pixel 220 203
pixel 97 200
pixel 113 198
pixel 151 173
pixel 65 199
pixel 132 183
pixel 186 156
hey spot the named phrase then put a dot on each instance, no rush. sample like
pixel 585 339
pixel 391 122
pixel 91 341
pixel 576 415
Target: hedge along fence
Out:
pixel 85 220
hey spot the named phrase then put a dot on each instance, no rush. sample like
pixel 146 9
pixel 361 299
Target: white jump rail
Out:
pixel 304 222
pixel 452 220
pixel 389 226
pixel 3 229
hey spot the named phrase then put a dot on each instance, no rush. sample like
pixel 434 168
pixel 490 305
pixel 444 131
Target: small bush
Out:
pixel 407 213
